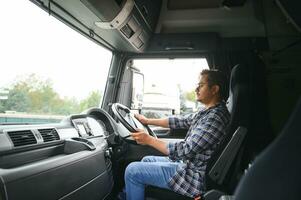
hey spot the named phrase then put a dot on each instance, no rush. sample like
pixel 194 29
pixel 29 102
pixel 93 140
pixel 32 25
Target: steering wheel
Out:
pixel 127 118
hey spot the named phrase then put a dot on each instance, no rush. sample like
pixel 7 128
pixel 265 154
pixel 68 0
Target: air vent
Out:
pixel 21 138
pixel 49 134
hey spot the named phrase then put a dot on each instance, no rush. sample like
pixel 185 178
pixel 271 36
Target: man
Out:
pixel 183 169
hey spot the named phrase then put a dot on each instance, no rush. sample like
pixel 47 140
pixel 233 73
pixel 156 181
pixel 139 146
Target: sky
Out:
pixel 31 41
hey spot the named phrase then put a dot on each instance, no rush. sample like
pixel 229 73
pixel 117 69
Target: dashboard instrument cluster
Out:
pixel 88 126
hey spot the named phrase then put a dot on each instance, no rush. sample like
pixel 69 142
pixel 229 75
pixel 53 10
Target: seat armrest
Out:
pixel 213 195
pixel 226 197
pixel 220 168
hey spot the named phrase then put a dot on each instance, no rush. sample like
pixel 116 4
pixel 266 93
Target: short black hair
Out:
pixel 216 77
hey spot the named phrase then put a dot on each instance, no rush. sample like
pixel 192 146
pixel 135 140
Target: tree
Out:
pixel 33 95
pixel 2 107
pixel 190 96
pixel 66 106
pixel 92 100
pixel 18 100
pixel 182 100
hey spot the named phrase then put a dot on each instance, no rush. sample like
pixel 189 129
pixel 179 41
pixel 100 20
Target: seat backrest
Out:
pixel 238 106
pixel 221 166
pixel 239 97
pixel 275 173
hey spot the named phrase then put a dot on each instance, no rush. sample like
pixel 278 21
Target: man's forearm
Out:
pixel 158 144
pixel 158 122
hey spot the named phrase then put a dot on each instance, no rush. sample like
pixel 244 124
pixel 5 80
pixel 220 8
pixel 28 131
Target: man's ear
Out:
pixel 215 89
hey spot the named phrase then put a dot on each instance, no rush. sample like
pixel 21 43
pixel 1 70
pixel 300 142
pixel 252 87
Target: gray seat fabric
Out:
pixel 276 174
pixel 238 104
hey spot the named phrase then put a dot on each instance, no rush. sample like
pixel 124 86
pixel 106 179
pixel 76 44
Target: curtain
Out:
pixel 260 131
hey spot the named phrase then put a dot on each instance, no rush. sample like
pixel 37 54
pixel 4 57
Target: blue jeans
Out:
pixel 152 170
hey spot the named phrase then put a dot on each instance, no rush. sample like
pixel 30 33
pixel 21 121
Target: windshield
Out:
pixel 48 70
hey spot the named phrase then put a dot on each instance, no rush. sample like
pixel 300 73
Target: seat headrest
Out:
pixel 239 75
pixel 239 79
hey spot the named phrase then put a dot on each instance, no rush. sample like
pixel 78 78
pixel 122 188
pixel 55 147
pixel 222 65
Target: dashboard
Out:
pixel 94 123
pixel 74 154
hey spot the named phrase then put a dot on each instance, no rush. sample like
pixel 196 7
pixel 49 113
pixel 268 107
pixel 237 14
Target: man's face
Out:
pixel 203 91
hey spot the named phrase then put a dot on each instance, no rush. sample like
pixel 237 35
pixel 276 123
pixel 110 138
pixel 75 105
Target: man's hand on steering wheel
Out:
pixel 132 123
pixel 141 137
pixel 142 119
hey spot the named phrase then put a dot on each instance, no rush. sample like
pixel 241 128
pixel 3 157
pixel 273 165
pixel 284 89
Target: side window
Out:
pixel 169 85
pixel 138 90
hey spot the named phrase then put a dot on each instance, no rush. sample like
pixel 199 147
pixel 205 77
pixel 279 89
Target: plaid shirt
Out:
pixel 206 130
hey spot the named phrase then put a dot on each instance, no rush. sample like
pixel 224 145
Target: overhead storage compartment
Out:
pixel 135 22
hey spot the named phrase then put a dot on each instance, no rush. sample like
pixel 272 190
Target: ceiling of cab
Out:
pixel 245 20
pixel 192 4
pixel 240 18
pixel 197 4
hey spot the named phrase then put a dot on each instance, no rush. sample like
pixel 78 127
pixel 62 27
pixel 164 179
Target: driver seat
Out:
pixel 225 154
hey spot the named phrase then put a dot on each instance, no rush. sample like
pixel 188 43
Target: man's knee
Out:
pixel 131 170
pixel 148 159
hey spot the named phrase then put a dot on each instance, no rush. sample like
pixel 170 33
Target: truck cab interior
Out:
pixel 256 43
